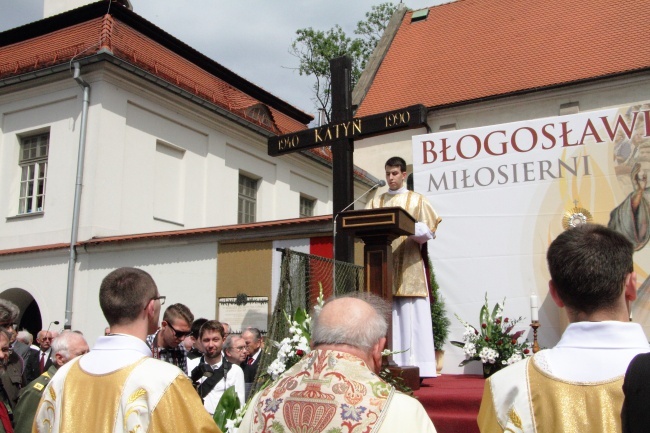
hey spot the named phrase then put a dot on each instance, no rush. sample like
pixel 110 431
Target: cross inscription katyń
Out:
pixel 340 135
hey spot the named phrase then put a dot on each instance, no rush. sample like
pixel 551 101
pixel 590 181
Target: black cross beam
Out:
pixel 340 135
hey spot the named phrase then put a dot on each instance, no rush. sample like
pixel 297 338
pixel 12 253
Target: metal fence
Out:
pixel 302 277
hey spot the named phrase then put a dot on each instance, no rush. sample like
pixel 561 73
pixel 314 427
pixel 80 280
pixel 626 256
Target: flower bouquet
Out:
pixel 291 349
pixel 494 343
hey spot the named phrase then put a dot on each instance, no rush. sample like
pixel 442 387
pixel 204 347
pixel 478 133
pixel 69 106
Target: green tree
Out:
pixel 315 48
pixel 371 30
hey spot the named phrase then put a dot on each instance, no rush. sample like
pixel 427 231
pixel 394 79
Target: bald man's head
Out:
pixel 358 320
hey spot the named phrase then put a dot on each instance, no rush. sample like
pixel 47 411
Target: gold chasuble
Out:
pixel 408 268
pixel 147 396
pixel 525 398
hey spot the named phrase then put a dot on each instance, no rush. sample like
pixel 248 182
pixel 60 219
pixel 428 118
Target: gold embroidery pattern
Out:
pixel 514 419
pixel 134 406
pixel 137 394
pixel 49 413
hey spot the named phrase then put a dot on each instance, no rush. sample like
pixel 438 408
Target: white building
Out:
pixel 173 169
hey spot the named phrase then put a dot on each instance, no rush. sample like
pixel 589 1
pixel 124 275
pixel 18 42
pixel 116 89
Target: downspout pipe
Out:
pixel 72 262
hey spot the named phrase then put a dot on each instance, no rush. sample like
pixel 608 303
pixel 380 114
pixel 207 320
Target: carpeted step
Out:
pixel 452 401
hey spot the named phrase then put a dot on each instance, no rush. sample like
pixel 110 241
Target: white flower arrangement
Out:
pixel 291 349
pixel 495 342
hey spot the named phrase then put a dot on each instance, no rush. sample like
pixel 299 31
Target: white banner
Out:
pixel 506 191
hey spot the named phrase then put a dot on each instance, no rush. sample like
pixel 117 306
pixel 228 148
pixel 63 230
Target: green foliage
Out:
pixel 439 318
pixel 227 408
pixel 315 48
pixel 373 28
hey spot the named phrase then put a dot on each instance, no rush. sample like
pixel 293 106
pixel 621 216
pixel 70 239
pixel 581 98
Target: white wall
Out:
pixel 129 187
pixel 143 146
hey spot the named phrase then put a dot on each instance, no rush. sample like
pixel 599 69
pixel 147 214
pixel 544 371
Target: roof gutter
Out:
pixel 72 262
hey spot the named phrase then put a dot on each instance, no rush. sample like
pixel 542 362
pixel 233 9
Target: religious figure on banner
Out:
pixel 632 216
pixel 412 328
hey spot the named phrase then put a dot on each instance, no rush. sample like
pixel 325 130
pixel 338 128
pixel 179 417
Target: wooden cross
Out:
pixel 340 135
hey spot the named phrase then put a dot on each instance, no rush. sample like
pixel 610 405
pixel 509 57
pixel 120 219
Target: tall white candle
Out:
pixel 534 312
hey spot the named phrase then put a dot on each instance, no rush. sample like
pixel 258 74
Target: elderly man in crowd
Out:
pixel 253 339
pixel 575 386
pixel 117 386
pixel 67 346
pixel 44 339
pixel 336 386
pixel 235 349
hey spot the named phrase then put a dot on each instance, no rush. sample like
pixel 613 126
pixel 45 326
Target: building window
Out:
pixel 247 199
pixel 33 166
pixel 306 207
pixel 260 113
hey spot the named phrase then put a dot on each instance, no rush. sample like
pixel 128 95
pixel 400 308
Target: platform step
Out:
pixel 452 402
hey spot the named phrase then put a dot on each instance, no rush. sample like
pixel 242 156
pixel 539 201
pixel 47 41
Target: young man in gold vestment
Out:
pixel 118 386
pixel 577 385
pixel 412 328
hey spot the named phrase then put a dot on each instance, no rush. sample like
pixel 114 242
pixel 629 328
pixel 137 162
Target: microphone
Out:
pixel 56 322
pixel 375 186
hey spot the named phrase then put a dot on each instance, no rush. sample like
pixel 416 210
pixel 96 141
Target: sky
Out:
pixel 250 37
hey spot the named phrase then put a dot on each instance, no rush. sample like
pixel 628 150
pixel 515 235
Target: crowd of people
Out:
pixel 147 374
pixel 137 374
pixel 162 376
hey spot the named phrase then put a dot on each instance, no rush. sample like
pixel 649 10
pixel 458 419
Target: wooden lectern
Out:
pixel 378 228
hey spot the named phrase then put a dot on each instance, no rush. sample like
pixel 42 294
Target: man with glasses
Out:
pixel 253 338
pixel 117 386
pixel 167 343
pixel 235 349
pixel 44 339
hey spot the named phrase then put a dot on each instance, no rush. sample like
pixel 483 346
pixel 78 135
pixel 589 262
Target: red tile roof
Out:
pixel 74 39
pixel 87 31
pixel 473 49
pixel 233 229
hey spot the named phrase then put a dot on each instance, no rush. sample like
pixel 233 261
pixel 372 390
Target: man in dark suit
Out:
pixel 44 339
pixel 253 339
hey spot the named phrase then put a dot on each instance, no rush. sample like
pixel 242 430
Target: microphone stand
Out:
pixel 56 322
pixel 375 186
